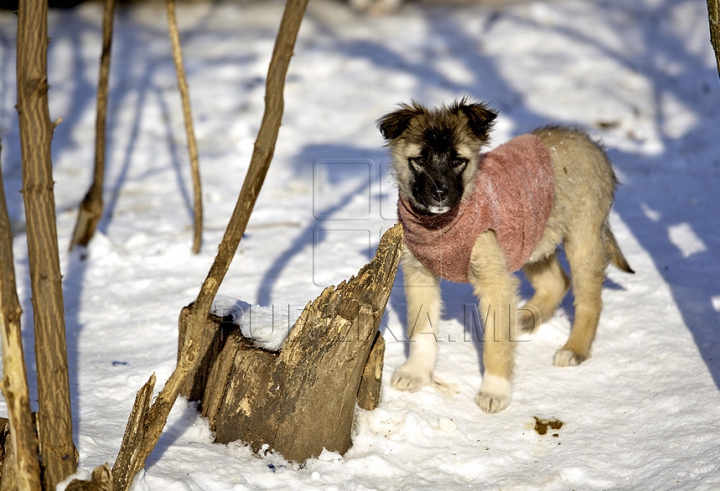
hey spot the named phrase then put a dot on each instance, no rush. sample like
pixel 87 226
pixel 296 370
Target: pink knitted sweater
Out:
pixel 513 196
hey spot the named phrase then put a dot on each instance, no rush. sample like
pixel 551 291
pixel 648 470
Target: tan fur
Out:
pixel 497 289
pixel 551 284
pixel 424 305
pixel 584 190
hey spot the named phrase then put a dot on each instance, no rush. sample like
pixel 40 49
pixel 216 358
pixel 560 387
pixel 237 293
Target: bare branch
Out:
pixel 189 131
pixel 91 208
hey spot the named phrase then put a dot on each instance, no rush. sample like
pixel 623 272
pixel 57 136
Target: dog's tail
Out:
pixel 613 249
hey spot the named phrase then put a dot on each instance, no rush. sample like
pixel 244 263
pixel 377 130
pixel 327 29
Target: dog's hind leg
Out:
pixel 551 284
pixel 497 289
pixel 588 260
pixel 422 292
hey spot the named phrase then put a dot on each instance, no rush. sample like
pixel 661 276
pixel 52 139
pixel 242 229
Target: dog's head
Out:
pixel 435 151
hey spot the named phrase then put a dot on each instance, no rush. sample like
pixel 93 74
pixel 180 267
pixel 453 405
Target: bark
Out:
pixel 302 400
pixel 189 131
pixel 368 394
pixel 195 318
pixel 369 391
pixel 123 469
pixel 714 18
pixel 91 207
pixel 8 481
pixel 214 338
pixel 101 480
pixel 4 440
pixel 14 384
pixel 58 453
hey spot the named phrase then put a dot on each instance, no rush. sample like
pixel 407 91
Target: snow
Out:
pixel 642 413
pixel 266 326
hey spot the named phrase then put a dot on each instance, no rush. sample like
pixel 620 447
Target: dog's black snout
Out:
pixel 439 192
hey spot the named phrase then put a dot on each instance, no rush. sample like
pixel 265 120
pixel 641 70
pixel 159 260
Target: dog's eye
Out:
pixel 459 162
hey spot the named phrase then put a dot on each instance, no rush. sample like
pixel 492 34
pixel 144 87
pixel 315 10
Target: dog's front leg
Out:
pixel 497 289
pixel 422 292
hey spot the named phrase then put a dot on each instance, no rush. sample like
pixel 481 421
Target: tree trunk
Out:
pixel 58 453
pixel 189 131
pixel 302 399
pixel 23 439
pixel 714 18
pixel 91 207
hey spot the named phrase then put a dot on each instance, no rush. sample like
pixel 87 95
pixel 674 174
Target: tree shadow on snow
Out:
pixel 173 432
pixel 336 183
pixel 671 197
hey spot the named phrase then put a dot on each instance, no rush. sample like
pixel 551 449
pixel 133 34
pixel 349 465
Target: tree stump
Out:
pixel 302 399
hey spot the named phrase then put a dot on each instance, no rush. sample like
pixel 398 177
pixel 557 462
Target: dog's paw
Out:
pixel 410 378
pixel 492 403
pixel 527 320
pixel 567 358
pixel 494 395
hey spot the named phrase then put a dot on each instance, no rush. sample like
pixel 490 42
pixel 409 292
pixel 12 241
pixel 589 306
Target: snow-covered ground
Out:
pixel 642 413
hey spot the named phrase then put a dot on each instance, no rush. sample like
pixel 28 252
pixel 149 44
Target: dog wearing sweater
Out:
pixel 476 218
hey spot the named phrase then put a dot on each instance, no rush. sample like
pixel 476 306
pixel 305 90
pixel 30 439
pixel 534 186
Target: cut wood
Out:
pixel 368 396
pixel 101 480
pixel 302 399
pixel 59 457
pixel 128 461
pixel 214 337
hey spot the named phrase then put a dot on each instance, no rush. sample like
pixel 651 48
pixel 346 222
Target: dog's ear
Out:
pixel 480 118
pixel 394 124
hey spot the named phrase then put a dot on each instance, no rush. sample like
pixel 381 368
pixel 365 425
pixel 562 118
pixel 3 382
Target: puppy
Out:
pixel 477 218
